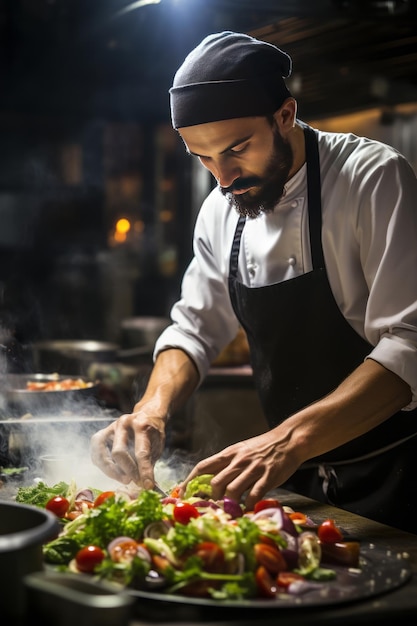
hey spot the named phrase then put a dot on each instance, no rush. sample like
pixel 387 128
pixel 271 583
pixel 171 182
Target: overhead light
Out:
pixel 137 5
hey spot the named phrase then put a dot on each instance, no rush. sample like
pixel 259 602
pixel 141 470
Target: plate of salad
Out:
pixel 203 552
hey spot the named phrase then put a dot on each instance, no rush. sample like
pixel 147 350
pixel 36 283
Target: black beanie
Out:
pixel 229 75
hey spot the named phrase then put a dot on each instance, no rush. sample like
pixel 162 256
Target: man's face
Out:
pixel 248 157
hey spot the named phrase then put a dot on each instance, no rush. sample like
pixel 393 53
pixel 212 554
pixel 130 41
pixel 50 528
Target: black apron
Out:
pixel 301 349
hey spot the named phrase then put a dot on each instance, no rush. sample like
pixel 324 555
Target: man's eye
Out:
pixel 239 149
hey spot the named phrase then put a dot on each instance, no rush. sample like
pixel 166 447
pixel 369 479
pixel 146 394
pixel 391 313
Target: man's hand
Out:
pixel 128 449
pixel 255 466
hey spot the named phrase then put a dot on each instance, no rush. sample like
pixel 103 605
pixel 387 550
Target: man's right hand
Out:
pixel 128 449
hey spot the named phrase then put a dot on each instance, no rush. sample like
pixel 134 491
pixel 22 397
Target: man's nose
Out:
pixel 226 174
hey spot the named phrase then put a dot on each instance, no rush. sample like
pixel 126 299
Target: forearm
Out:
pixel 369 396
pixel 173 380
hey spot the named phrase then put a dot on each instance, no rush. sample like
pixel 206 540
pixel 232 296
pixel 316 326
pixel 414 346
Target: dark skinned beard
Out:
pixel 271 184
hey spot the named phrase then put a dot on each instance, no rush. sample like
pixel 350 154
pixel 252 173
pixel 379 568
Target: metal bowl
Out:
pixel 16 398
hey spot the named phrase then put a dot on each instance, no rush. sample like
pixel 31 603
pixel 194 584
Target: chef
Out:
pixel 308 242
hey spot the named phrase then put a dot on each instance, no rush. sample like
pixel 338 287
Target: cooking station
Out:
pixel 394 595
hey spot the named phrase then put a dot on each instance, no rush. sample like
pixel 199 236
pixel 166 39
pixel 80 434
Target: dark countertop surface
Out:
pixel 382 609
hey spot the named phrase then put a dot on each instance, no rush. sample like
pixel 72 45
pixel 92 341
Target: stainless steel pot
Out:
pixel 23 530
pixel 76 356
pixel 142 331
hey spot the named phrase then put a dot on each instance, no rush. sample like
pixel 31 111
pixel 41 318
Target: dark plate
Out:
pixel 380 571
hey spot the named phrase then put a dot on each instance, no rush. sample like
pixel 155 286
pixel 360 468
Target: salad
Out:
pixel 192 546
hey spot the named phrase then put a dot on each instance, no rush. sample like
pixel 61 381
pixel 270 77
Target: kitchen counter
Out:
pixel 400 603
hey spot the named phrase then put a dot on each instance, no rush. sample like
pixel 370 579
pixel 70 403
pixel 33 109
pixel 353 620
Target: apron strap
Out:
pixel 234 254
pixel 313 195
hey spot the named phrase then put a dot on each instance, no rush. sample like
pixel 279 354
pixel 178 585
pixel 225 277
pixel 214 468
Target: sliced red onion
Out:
pixel 169 500
pixel 85 494
pixel 204 504
pixel 232 508
pixel 288 525
pixel 155 530
pixel 118 540
pixel 275 514
pixel 140 551
pixel 291 557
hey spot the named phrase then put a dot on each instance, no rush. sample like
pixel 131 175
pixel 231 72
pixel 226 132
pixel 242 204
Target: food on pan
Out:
pixel 191 546
pixel 65 384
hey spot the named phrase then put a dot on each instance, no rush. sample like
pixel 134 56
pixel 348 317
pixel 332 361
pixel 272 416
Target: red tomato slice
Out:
pixel 270 557
pixel 184 511
pixel 102 497
pixel 328 532
pixel 58 505
pixel 266 504
pixel 212 556
pixel 266 584
pixel 88 558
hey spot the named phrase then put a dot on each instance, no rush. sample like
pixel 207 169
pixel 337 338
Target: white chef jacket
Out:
pixel 369 238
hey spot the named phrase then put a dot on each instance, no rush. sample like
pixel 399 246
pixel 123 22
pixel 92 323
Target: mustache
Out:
pixel 242 183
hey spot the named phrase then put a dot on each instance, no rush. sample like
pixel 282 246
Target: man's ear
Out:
pixel 286 115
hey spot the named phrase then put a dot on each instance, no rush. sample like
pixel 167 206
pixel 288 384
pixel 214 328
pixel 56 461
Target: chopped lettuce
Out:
pixel 199 487
pixel 39 493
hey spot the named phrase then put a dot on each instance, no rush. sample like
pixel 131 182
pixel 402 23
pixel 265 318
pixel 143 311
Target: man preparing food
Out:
pixel 309 243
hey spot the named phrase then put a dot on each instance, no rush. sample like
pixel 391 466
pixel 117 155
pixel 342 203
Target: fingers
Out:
pixel 100 453
pixel 143 456
pixel 128 449
pixel 122 451
pixel 240 471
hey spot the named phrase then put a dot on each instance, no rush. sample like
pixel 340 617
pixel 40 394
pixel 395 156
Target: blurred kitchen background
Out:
pixel 97 196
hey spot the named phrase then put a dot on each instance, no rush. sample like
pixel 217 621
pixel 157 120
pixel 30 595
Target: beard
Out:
pixel 270 185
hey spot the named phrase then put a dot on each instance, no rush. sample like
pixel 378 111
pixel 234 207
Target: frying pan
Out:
pixel 15 397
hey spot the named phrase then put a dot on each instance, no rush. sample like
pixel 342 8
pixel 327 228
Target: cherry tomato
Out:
pixel 175 492
pixel 160 563
pixel 58 505
pixel 184 511
pixel 124 551
pixel 266 504
pixel 298 518
pixel 102 497
pixel 88 558
pixel 72 515
pixel 284 579
pixel 270 557
pixel 328 532
pixel 266 584
pixel 212 556
pixel 344 553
